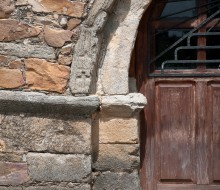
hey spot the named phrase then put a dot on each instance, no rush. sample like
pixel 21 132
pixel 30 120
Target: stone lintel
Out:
pixel 33 102
pixel 123 105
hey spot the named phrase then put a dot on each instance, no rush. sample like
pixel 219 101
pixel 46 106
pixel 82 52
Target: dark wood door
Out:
pixel 180 126
pixel 182 149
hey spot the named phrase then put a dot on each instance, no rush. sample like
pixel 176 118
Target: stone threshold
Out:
pixel 35 102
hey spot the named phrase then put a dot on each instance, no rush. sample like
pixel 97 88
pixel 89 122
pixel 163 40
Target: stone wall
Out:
pixel 67 117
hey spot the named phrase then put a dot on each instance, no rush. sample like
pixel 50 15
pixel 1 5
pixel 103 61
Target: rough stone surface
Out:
pixel 86 55
pixel 38 134
pixel 118 130
pixel 120 105
pixel 74 186
pixel 11 188
pixel 43 75
pixel 31 102
pixel 55 37
pixel 113 181
pixel 55 167
pixel 12 157
pixel 14 30
pixel 117 156
pixel 66 50
pixel 16 64
pixel 120 32
pixel 65 60
pixel 6 8
pixel 65 7
pixel 11 78
pixel 22 50
pixel 73 23
pixel 13 173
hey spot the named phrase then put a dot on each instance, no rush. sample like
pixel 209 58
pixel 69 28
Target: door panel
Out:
pixel 175 111
pixel 187 187
pixel 183 134
pixel 215 90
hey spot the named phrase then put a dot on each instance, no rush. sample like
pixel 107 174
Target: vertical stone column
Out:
pixel 116 143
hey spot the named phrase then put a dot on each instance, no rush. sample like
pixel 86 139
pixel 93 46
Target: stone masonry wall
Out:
pixel 67 118
pixel 37 40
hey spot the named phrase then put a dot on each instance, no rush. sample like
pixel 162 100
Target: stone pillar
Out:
pixel 116 143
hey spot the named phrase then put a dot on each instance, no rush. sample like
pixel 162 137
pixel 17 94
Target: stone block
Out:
pixel 74 186
pixel 6 8
pixel 27 50
pixel 11 78
pixel 120 180
pixel 13 173
pixel 11 188
pixel 118 130
pixel 44 75
pixel 57 168
pixel 65 7
pixel 117 157
pixel 45 134
pixel 19 29
pixel 123 105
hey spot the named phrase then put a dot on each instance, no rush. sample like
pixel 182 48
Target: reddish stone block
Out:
pixel 13 173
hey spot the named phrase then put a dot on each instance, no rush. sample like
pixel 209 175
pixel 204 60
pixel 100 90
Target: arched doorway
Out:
pixel 177 69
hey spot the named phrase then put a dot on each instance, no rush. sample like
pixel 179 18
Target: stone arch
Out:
pixel 103 51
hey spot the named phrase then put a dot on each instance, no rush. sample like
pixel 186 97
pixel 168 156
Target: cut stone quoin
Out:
pixel 64 7
pixel 14 30
pixel 11 78
pixel 44 75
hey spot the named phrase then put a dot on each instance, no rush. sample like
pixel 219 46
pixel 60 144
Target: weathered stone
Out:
pixel 65 60
pixel 10 188
pixel 120 180
pixel 55 37
pixel 65 7
pixel 66 50
pixel 16 64
pixel 14 30
pixel 13 173
pixel 32 102
pixel 55 167
pixel 75 186
pixel 2 145
pixel 118 130
pixel 73 23
pixel 3 60
pixel 11 157
pixel 45 134
pixel 21 2
pixel 120 33
pixel 123 106
pixel 26 50
pixel 117 156
pixel 63 21
pixel 6 8
pixel 11 78
pixel 43 75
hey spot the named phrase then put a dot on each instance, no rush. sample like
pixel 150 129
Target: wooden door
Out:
pixel 182 134
pixel 180 129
